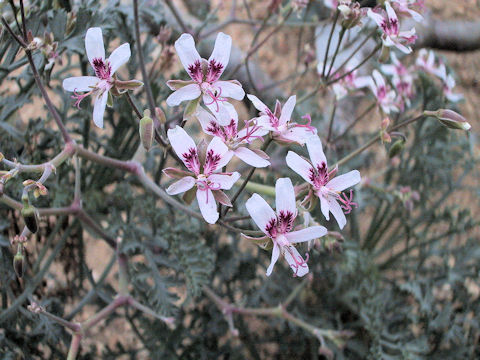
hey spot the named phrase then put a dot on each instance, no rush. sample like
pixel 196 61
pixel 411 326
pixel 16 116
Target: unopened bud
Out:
pixel 146 130
pixel 71 22
pixel 396 148
pixel 450 119
pixel 29 215
pixel 160 115
pixel 19 264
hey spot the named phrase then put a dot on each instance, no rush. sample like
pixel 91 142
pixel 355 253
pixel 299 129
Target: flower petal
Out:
pixel 260 106
pixel 225 181
pixel 181 186
pixel 217 147
pixel 80 83
pixel 285 197
pixel 119 56
pixel 207 205
pixel 287 110
pixel 188 92
pixel 188 54
pixel 344 181
pixel 94 44
pixel 310 233
pixel 208 122
pixel 275 255
pixel 250 157
pixel 379 19
pixel 260 211
pixel 315 150
pixel 301 166
pixel 337 212
pixel 181 142
pixel 230 90
pixel 221 51
pixel 99 108
pixel 325 207
pixel 293 258
pixel 298 134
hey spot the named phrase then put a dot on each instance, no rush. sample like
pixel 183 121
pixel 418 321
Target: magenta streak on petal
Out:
pixel 285 221
pixel 191 160
pixel 214 71
pixel 230 129
pixel 320 177
pixel 216 130
pixel 102 69
pixel 273 119
pixel 347 203
pixel 211 162
pixel 271 228
pixel 195 71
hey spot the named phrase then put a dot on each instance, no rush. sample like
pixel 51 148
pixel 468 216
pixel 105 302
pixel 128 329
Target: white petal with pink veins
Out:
pixel 80 83
pixel 301 166
pixel 379 19
pixel 342 182
pixel 230 90
pixel 285 196
pixel 207 205
pixel 181 186
pixel 188 54
pixel 310 233
pixel 379 80
pixel 287 110
pixel 293 257
pixel 275 255
pixel 264 122
pixel 217 147
pixel 206 120
pixel 225 181
pixel 119 56
pixel 94 44
pixel 221 50
pixel 315 150
pixel 181 142
pixel 99 108
pixel 188 92
pixel 260 211
pixel 392 15
pixel 250 157
pixel 260 106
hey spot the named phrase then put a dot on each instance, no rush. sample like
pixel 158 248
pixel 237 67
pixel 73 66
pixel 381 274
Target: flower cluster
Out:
pixel 206 173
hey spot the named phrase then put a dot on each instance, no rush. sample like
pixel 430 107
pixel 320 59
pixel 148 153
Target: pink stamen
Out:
pixel 215 98
pixel 79 97
pixel 249 137
pixel 307 125
pixel 298 262
pixel 347 203
pixel 205 185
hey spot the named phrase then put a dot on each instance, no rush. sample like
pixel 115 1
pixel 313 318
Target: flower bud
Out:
pixel 396 148
pixel 450 119
pixel 19 264
pixel 71 22
pixel 146 130
pixel 29 215
pixel 160 115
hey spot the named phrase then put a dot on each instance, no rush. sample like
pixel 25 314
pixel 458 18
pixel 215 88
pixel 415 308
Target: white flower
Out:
pixel 279 121
pixel 278 225
pixel 234 139
pixel 206 178
pixel 392 36
pixel 205 76
pixel 99 85
pixel 327 187
pixel 385 96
